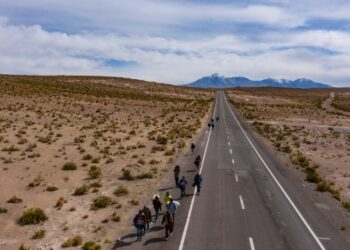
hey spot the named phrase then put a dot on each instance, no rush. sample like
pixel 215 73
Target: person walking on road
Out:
pixel 167 198
pixel 197 161
pixel 217 118
pixel 182 186
pixel 197 181
pixel 148 216
pixel 139 223
pixel 176 175
pixel 193 147
pixel 172 208
pixel 168 220
pixel 157 205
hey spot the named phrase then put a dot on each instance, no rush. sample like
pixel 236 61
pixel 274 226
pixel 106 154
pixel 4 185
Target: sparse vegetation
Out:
pixel 39 234
pixel 69 166
pixel 121 191
pixel 32 216
pixel 101 202
pixel 73 242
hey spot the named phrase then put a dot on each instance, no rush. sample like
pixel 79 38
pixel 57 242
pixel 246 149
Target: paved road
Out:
pixel 247 201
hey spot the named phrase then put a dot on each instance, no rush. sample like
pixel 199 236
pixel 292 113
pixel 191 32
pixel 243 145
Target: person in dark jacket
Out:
pixel 182 186
pixel 148 216
pixel 139 223
pixel 157 205
pixel 197 181
pixel 193 147
pixel 197 161
pixel 176 175
pixel 168 220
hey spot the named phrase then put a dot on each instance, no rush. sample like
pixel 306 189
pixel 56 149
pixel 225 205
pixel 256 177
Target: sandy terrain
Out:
pixel 118 125
pixel 302 126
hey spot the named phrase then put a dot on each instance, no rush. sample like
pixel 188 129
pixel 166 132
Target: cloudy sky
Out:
pixel 178 41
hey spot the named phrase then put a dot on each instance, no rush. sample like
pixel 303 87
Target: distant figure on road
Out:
pixel 193 147
pixel 168 220
pixel 197 181
pixel 148 216
pixel 212 119
pixel 139 223
pixel 167 198
pixel 182 186
pixel 176 175
pixel 217 118
pixel 212 126
pixel 197 161
pixel 157 205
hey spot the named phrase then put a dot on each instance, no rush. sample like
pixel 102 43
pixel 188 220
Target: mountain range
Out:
pixel 217 81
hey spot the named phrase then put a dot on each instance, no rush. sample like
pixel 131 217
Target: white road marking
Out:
pixel 233 161
pixel 236 177
pixel 229 143
pixel 184 233
pixel 231 151
pixel 319 243
pixel 242 202
pixel 324 238
pixel 251 242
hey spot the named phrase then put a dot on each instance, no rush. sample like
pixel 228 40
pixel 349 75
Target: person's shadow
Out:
pixel 153 240
pixel 124 241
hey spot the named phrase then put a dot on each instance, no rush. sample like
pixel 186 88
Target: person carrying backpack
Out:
pixel 176 175
pixel 172 208
pixel 148 216
pixel 139 222
pixel 197 181
pixel 157 205
pixel 168 220
pixel 182 186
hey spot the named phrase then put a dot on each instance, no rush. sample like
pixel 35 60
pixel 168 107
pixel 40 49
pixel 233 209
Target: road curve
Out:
pixel 247 201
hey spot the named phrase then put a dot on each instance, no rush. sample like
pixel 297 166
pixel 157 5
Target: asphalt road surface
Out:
pixel 247 201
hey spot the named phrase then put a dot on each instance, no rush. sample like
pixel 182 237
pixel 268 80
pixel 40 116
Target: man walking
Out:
pixel 139 223
pixel 182 186
pixel 148 216
pixel 172 208
pixel 176 175
pixel 157 205
pixel 197 181
pixel 168 220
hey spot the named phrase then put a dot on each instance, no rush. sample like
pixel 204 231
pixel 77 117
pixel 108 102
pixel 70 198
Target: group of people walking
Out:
pixel 144 218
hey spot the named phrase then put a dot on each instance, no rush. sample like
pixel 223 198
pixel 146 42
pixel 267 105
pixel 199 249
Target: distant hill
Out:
pixel 217 81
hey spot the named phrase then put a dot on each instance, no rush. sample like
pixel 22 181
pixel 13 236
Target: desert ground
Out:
pixel 311 128
pixel 81 155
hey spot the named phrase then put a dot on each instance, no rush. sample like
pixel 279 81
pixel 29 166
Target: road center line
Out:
pixel 319 243
pixel 251 242
pixel 184 233
pixel 242 202
pixel 229 143
pixel 231 151
pixel 233 161
pixel 236 177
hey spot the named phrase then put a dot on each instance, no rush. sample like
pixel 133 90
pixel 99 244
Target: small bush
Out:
pixel 94 172
pixel 134 202
pixel 14 199
pixel 115 217
pixel 73 242
pixel 39 234
pixel 87 157
pixel 141 161
pixel 60 202
pixel 3 210
pixel 69 166
pixel 162 140
pixel 84 189
pixel 147 175
pixel 32 216
pixel 90 245
pixel 127 175
pixel 101 202
pixel 121 191
pixel 23 247
pixel 51 189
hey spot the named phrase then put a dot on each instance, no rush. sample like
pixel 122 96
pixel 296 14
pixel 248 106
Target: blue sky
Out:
pixel 178 41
